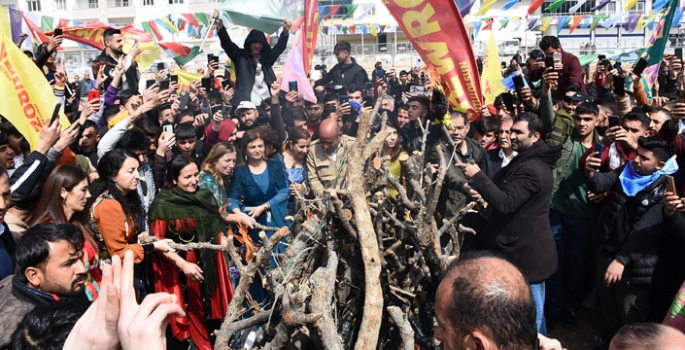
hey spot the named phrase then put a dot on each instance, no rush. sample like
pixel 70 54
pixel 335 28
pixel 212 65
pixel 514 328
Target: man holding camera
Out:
pixel 566 64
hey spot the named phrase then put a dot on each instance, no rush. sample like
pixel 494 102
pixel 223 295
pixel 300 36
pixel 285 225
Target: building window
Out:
pixel 121 3
pixel 148 2
pixel 92 4
pixel 33 6
pixel 60 5
pixel 173 2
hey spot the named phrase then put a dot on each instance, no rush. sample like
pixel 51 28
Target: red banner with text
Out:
pixel 311 32
pixel 92 34
pixel 436 30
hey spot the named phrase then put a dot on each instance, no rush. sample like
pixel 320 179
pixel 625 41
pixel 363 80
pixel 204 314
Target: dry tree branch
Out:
pixel 247 275
pixel 400 320
pixel 323 286
pixel 369 329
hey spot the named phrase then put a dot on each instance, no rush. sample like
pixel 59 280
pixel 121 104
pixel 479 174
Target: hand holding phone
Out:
pixel 167 131
pixel 670 185
pixel 93 95
pixel 55 113
pixel 207 84
pixel 619 85
pixel 292 85
pixel 640 66
pixel 613 121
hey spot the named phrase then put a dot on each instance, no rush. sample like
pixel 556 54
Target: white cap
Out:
pixel 245 105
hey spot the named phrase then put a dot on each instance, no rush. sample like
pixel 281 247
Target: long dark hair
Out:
pixel 50 204
pixel 174 169
pixel 108 168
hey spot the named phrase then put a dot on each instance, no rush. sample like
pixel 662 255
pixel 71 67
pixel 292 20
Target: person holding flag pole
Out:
pixel 253 64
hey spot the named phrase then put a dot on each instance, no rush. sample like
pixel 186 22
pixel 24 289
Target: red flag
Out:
pixel 63 23
pixel 152 26
pixel 191 19
pixel 576 21
pixel 37 34
pixel 436 30
pixel 311 31
pixel 488 24
pixel 534 6
pixel 92 34
pixel 333 10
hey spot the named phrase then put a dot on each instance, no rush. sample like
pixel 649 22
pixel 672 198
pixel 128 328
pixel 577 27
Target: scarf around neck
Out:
pixel 174 204
pixel 633 182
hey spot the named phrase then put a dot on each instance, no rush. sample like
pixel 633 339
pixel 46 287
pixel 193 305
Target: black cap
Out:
pixel 580 97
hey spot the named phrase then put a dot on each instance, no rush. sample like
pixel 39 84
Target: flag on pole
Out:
pixel 182 54
pixel 491 78
pixel 437 32
pixel 657 43
pixel 28 99
pixel 311 31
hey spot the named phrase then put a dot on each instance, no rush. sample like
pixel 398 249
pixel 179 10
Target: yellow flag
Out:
pixel 5 26
pixel 184 78
pixel 486 7
pixel 629 4
pixel 116 119
pixel 27 98
pixel 545 23
pixel 641 21
pixel 491 78
pixel 149 53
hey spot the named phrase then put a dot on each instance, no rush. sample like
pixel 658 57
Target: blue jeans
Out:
pixel 572 238
pixel 538 291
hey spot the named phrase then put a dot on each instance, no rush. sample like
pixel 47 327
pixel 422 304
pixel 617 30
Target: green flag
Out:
pixel 202 18
pixel 503 23
pixel 264 15
pixel 553 7
pixel 596 19
pixel 657 43
pixel 586 60
pixel 46 23
pixel 350 11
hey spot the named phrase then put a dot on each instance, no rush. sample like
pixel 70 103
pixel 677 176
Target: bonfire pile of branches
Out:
pixel 361 267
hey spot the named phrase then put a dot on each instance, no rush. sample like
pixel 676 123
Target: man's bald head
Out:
pixel 653 336
pixel 485 301
pixel 329 135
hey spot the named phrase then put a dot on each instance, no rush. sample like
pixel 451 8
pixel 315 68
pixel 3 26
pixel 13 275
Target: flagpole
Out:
pixel 206 33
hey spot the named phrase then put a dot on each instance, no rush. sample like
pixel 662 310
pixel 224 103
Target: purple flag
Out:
pixel 464 6
pixel 531 23
pixel 631 24
pixel 600 5
pixel 15 24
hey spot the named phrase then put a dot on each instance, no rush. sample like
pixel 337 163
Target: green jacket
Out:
pixel 560 130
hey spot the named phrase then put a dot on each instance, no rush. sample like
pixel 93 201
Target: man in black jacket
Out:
pixel 518 206
pixel 347 72
pixel 630 234
pixel 109 58
pixel 49 268
pixel 253 63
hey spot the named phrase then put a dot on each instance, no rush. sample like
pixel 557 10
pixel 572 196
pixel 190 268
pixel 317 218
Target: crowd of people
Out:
pixel 578 188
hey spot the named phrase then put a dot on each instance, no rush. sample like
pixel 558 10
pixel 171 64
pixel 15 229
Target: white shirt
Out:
pixel 505 159
pixel 260 91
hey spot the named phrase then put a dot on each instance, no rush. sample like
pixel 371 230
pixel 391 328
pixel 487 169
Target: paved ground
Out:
pixel 585 335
